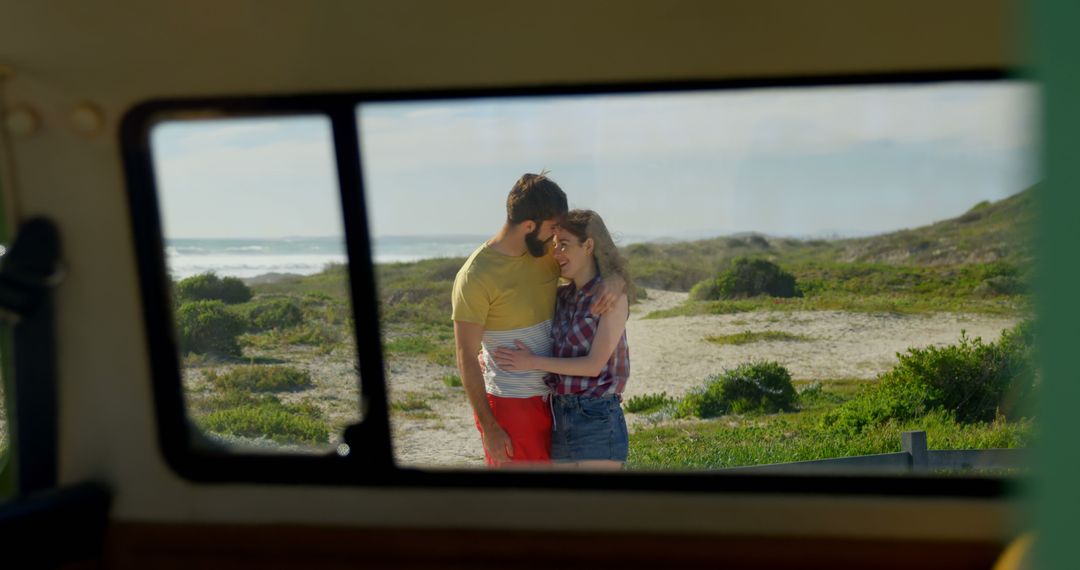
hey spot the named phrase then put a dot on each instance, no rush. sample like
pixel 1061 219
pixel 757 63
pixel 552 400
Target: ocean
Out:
pixel 246 258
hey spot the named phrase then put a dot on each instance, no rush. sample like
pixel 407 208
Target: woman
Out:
pixel 591 361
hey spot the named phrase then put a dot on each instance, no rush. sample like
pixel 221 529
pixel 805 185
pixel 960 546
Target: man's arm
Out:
pixel 467 337
pixel 611 288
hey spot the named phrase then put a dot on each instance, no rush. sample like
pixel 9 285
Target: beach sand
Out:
pixel 670 355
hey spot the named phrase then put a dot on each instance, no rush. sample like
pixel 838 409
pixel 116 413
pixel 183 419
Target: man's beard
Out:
pixel 536 247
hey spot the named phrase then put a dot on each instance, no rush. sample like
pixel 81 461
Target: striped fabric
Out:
pixel 572 334
pixel 525 383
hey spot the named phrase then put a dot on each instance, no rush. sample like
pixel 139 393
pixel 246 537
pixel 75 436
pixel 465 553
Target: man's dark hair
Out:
pixel 535 197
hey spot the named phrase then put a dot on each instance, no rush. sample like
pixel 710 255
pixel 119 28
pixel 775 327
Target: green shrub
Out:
pixel 813 390
pixel 273 314
pixel 756 387
pixel 1017 370
pixel 749 277
pixel 323 337
pixel 995 279
pixel 648 403
pixel 331 312
pixel 815 393
pixel 1000 285
pixel 707 290
pixel 315 298
pixel 877 405
pixel 210 287
pixel 700 403
pixel 970 378
pixel 758 241
pixel 313 334
pixel 973 381
pixel 451 380
pixel 208 327
pixel 260 379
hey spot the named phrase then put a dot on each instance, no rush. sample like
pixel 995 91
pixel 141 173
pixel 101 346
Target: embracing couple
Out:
pixel 553 359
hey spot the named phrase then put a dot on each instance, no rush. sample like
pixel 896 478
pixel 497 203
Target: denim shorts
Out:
pixel 587 429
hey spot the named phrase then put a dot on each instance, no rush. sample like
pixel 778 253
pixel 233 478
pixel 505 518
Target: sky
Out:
pixel 803 162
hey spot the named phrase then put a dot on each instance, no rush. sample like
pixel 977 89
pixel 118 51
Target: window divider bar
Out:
pixel 370 438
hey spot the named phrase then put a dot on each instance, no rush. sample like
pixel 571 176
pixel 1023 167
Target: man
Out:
pixel 504 292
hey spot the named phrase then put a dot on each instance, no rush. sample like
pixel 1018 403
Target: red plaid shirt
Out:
pixel 572 332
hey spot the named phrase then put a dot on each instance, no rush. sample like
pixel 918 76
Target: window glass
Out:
pixel 255 251
pixel 815 272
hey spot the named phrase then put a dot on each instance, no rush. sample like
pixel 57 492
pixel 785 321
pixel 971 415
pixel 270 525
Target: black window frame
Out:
pixel 370 462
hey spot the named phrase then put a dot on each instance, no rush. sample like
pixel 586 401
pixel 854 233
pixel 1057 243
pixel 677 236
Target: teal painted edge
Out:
pixel 1057 492
pixel 8 456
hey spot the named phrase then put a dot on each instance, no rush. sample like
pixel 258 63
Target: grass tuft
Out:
pixel 260 379
pixel 410 402
pixel 264 416
pixel 647 403
pixel 748 337
pixel 434 348
pixel 908 304
pixel 782 438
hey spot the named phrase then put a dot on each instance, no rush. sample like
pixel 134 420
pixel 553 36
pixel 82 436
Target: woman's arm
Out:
pixel 603 346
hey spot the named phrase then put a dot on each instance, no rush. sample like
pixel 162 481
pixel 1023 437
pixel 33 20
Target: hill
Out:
pixel 987 233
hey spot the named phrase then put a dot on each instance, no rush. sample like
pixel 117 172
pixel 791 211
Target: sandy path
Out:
pixel 445 436
pixel 671 355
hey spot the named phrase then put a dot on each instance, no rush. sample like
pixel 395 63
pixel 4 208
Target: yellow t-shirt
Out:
pixel 513 297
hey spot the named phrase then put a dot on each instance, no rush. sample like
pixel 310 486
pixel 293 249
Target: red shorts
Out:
pixel 528 423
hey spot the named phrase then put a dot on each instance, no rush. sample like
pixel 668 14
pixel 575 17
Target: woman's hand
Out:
pixel 514 359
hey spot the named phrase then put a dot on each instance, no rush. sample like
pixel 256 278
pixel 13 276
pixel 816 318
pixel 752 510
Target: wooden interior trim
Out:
pixel 140 545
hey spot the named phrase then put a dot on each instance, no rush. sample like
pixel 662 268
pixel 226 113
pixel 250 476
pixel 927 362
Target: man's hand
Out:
pixel 610 290
pixel 497 444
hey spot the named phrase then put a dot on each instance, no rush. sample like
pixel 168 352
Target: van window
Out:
pixel 816 271
pixel 813 279
pixel 255 254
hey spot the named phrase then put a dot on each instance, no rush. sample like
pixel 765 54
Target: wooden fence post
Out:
pixel 914 442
